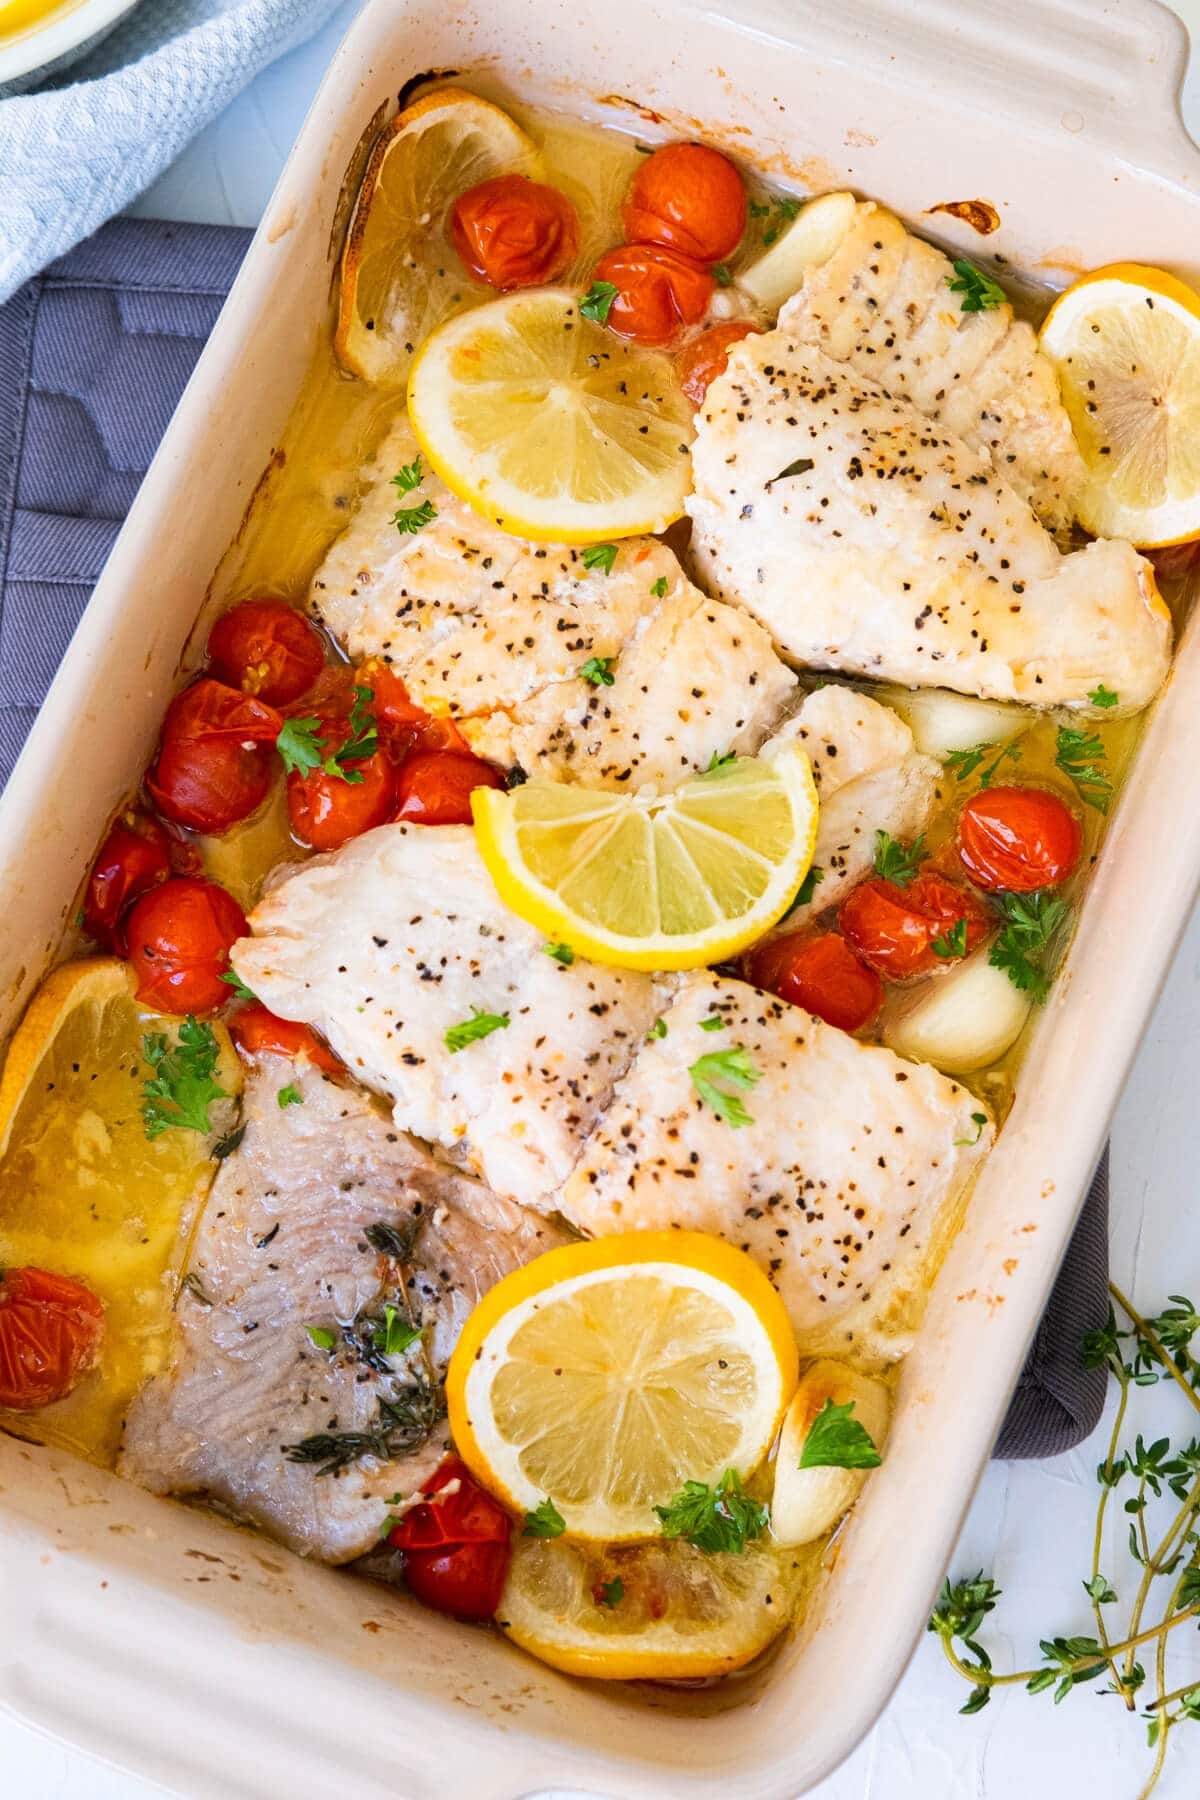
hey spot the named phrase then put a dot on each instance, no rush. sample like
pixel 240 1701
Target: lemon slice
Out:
pixel 651 1611
pixel 400 274
pixel 605 1375
pixel 649 882
pixel 1126 344
pixel 549 425
pixel 85 1192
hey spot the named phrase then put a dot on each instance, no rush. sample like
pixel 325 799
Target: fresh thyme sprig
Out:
pixel 1140 1354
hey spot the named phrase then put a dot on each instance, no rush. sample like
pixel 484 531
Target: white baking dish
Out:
pixel 211 1659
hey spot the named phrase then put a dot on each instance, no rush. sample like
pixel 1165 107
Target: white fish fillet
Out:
pixel 401 935
pixel 894 550
pixel 843 1186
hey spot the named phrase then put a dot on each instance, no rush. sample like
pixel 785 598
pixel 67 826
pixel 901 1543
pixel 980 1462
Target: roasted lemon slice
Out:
pixel 549 425
pixel 650 1611
pixel 1126 343
pixel 649 882
pixel 605 1375
pixel 400 275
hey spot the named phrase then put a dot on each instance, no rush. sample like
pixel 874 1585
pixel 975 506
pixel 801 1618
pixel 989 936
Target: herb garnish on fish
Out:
pixel 401 1425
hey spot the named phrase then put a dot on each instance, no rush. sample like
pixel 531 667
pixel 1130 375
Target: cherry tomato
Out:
pixel 51 1330
pixel 1018 838
pixel 512 232
pixel 456 1548
pixel 328 810
pixel 434 786
pixel 690 198
pixel 267 649
pixel 256 1030
pixel 134 857
pixel 215 761
pixel 179 940
pixel 701 361
pixel 658 292
pixel 893 928
pixel 403 725
pixel 821 974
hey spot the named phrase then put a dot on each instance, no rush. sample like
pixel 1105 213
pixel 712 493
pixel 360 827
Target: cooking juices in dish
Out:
pixel 544 1011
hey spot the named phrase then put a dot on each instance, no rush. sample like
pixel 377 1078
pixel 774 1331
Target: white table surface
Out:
pixel 1031 1523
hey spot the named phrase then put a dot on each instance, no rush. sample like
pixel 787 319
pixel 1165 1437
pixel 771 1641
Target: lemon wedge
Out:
pixel 400 274
pixel 605 1375
pixel 655 882
pixel 651 1611
pixel 1126 344
pixel 549 425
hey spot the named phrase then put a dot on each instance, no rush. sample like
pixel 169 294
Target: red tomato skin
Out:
pixel 659 292
pixel 325 811
pixel 892 928
pixel 180 936
pixel 465 1582
pixel 820 973
pixel 1018 839
pixel 403 725
pixel 511 232
pixel 257 1031
pixel 134 857
pixel 699 363
pixel 689 198
pixel 51 1330
pixel 456 1547
pixel 434 786
pixel 267 649
pixel 214 763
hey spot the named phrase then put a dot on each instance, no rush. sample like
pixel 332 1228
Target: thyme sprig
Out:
pixel 1141 1353
pixel 400 1425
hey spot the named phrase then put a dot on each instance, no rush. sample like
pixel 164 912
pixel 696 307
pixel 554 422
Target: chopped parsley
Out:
pixel 721 274
pixel 289 1096
pixel 183 1084
pixel 658 588
pixel 562 953
pixel 952 941
pixel 786 211
pixel 238 985
pixel 363 740
pixel 979 292
pixel 893 862
pixel 735 1069
pixel 610 1593
pixel 658 1029
pixel 713 1022
pixel 723 1517
pixel 545 1521
pixel 759 210
pixel 1080 755
pixel 1030 922
pixel 410 476
pixel 837 1441
pixel 394 1335
pixel 408 520
pixel 301 745
pixel 597 302
pixel 304 749
pixel 1102 696
pixel 978 1120
pixel 321 1337
pixel 598 670
pixel 717 763
pixel 600 556
pixel 962 764
pixel 801 466
pixel 480 1025
pixel 806 890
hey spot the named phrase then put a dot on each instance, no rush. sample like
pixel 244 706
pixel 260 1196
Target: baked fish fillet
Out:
pixel 283 1246
pixel 842 1182
pixel 866 539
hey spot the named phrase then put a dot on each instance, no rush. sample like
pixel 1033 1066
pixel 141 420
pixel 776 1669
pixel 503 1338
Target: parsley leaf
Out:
pixel 182 1086
pixel 963 763
pixel 893 862
pixel 952 941
pixel 363 740
pixel 723 1517
pixel 717 763
pixel 759 210
pixel 1030 921
pixel 597 302
pixel 979 292
pixel 410 476
pixel 238 985
pixel 480 1025
pixel 321 1337
pixel 289 1096
pixel 735 1069
pixel 600 556
pixel 658 1029
pixel 408 520
pixel 301 745
pixel 658 588
pixel 721 274
pixel 806 890
pixel 562 953
pixel 610 1593
pixel 545 1521
pixel 395 1335
pixel 801 466
pixel 978 1120
pixel 713 1022
pixel 598 670
pixel 1079 755
pixel 1102 696
pixel 836 1441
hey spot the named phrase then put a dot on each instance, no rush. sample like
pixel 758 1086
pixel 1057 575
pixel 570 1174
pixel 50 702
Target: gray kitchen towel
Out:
pixel 94 355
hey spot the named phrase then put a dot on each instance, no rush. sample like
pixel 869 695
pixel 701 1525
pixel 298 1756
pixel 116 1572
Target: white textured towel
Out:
pixel 73 155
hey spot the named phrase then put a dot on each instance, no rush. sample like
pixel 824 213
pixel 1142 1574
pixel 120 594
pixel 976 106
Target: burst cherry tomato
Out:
pixel 821 974
pixel 455 1545
pixel 512 232
pixel 403 725
pixel 134 857
pixel 658 292
pixel 1018 838
pixel 328 810
pixel 434 786
pixel 893 928
pixel 701 361
pixel 257 1031
pixel 179 940
pixel 266 649
pixel 215 760
pixel 51 1330
pixel 689 198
